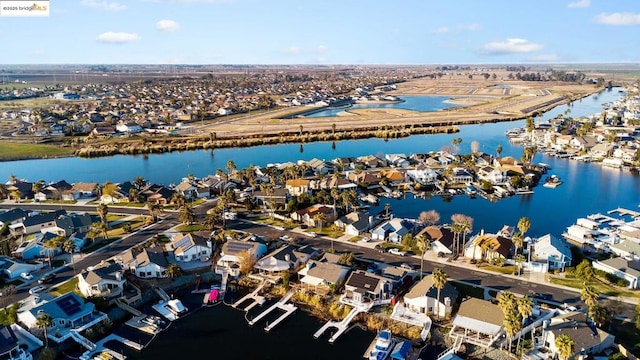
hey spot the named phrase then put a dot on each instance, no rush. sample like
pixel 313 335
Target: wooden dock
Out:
pixel 282 305
pixel 257 299
pixel 341 326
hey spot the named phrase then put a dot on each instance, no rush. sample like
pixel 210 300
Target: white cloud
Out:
pixel 111 37
pixel 510 46
pixel 167 25
pixel 321 49
pixel 580 4
pixel 545 57
pixel 618 19
pixel 103 5
pixel 293 50
pixel 441 30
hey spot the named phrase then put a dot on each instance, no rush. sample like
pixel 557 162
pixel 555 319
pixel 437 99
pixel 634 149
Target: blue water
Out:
pixel 587 188
pixel 416 103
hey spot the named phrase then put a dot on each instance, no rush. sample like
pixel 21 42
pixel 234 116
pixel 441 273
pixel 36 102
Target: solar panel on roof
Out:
pixel 185 241
pixel 69 305
pixel 236 247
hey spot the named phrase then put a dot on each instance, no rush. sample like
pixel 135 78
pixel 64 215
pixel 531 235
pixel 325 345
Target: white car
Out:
pixel 286 238
pixel 37 289
pixel 396 251
pixel 26 276
pixel 311 234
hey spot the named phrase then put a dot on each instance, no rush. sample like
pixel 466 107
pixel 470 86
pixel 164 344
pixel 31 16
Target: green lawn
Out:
pixel 65 287
pixel 59 202
pixel 507 269
pixel 597 285
pixel 15 151
pixel 267 220
pixel 114 217
pixel 190 228
pixel 327 231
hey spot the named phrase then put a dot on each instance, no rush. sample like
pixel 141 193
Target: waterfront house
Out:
pixel 187 190
pixel 423 175
pixel 288 257
pixel 147 264
pixel 69 312
pixel 23 190
pixel 10 347
pixel 319 166
pixel 84 190
pixel 340 183
pixel 626 248
pixel 588 339
pixel 308 216
pixel 461 176
pixel 322 276
pixel 441 239
pixel 366 179
pixel 278 196
pixel 363 287
pixel 399 276
pixel 488 246
pixel 188 247
pixel 233 251
pixel 393 176
pixel 104 280
pixel 392 230
pixel 622 268
pixel 356 223
pixel 423 298
pixel 551 253
pixel 371 161
pixel 492 175
pixel 478 322
pixel 297 187
pixel 397 160
pixel 602 150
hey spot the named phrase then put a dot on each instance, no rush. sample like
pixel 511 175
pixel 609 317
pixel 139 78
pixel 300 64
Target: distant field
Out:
pixel 15 151
pixel 25 103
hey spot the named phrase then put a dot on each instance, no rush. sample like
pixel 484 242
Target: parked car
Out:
pixel 407 266
pixel 36 289
pixel 47 279
pixel 379 248
pixel 541 296
pixel 26 276
pixel 286 238
pixel 311 234
pixel 396 251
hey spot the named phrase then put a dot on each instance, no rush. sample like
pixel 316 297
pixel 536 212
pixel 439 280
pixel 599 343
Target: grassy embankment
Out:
pixel 16 151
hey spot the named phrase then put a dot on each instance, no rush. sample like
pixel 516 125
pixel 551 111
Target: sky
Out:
pixel 325 32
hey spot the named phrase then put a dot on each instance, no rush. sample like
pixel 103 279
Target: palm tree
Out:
pixel 423 244
pixel 51 246
pixel 139 182
pixel 564 344
pixel 44 321
pixel 499 150
pixel 512 324
pixel 155 210
pixel 178 199
pixel 70 247
pixel 174 270
pixel 589 296
pixel 523 225
pixel 103 211
pixel 100 228
pixel 16 195
pixel 599 314
pixel 231 167
pixel 439 281
pixel 507 302
pixel 525 308
pixel 387 208
pixel 517 240
pixel 187 215
pixel 319 219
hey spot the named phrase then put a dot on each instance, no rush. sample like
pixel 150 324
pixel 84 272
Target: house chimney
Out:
pixel 118 276
pixel 370 220
pixel 287 257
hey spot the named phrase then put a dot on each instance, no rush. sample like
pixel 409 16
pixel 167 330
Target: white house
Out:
pixel 622 268
pixel 322 275
pixel 423 175
pixel 587 338
pixel 393 229
pixel 552 251
pixel 148 264
pixel 288 257
pixel 103 280
pixel 423 298
pixel 188 247
pixel 233 250
pixel 356 223
pixel 478 322
pixel 493 175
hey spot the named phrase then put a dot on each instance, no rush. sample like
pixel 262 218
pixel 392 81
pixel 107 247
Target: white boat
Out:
pixel 384 345
pixel 176 307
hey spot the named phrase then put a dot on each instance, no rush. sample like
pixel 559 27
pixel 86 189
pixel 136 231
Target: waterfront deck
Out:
pixel 343 325
pixel 256 299
pixel 624 212
pixel 282 305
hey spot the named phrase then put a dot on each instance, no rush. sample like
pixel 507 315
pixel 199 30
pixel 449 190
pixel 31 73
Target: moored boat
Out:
pixel 384 345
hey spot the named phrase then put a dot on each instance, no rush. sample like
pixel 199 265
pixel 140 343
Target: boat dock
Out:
pixel 282 305
pixel 343 325
pixel 257 299
pixel 623 212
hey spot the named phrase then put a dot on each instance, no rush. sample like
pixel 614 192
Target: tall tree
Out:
pixel 319 219
pixel 589 296
pixel 525 308
pixel 564 344
pixel 103 211
pixel 429 218
pixel 231 167
pixel 51 246
pixel 44 321
pixel 524 224
pixel 70 247
pixel 154 209
pixel 187 215
pixel 439 281
pixel 424 244
pixel 499 150
pixel 173 271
